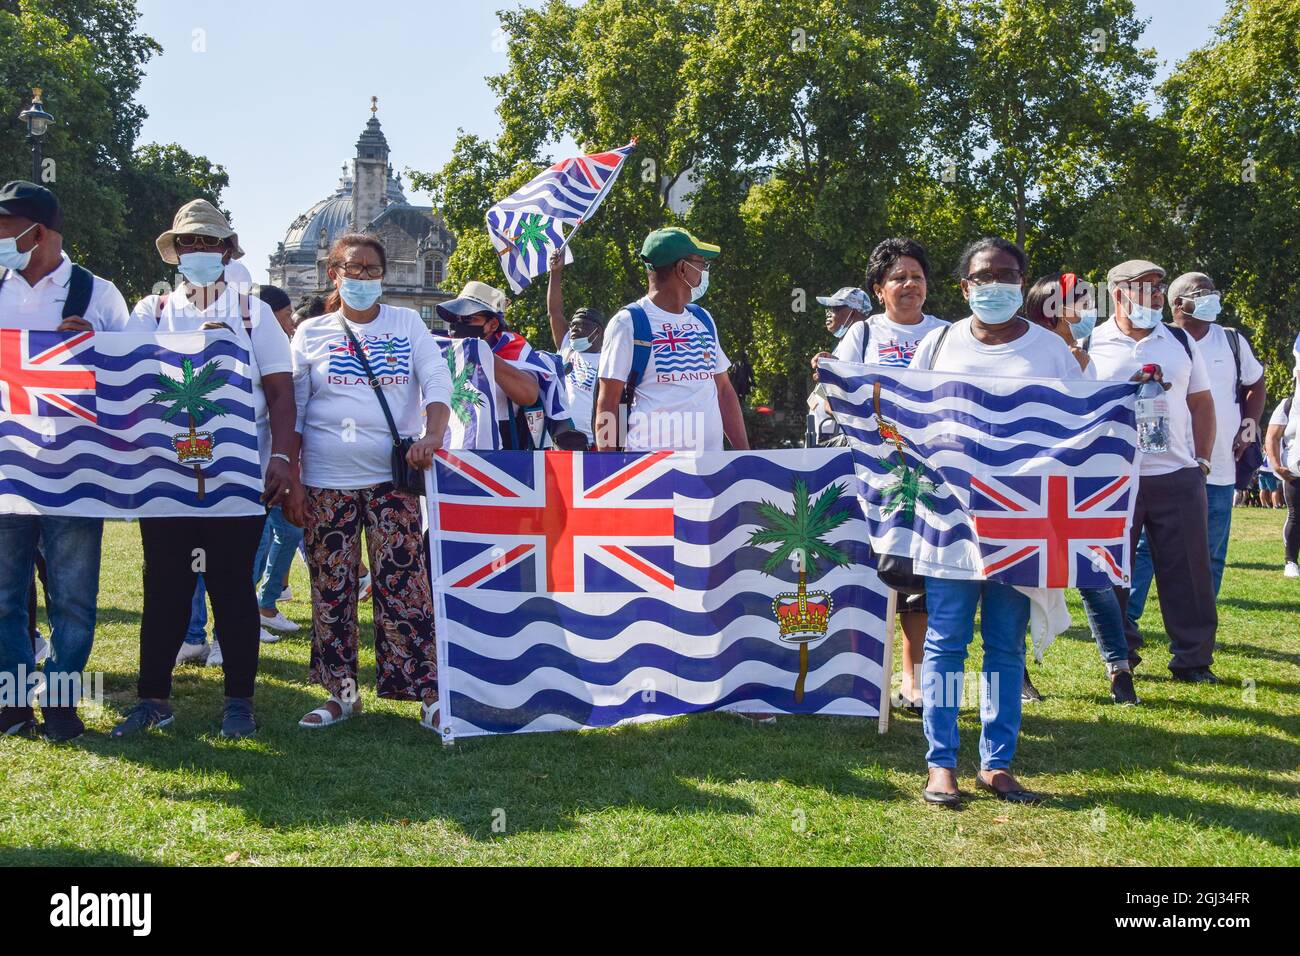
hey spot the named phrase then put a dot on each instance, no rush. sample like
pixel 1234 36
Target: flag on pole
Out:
pixel 1030 482
pixel 106 425
pixel 588 590
pixel 528 225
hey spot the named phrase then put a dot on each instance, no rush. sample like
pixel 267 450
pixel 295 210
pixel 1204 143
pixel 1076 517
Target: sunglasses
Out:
pixel 199 242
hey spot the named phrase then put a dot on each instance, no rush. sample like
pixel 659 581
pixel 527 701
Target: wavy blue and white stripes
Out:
pixel 1027 481
pixel 125 464
pixel 527 660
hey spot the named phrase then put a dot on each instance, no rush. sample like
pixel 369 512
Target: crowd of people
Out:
pixel 352 397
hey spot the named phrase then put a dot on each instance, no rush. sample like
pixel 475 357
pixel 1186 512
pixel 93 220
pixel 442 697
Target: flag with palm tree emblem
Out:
pixel 473 419
pixel 529 224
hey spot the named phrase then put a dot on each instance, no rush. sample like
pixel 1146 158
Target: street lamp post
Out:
pixel 38 121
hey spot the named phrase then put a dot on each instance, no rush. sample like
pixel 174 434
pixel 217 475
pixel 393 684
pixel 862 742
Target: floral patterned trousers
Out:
pixel 406 665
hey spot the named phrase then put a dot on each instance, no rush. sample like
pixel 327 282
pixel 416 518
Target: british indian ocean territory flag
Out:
pixel 1030 482
pixel 117 424
pixel 582 590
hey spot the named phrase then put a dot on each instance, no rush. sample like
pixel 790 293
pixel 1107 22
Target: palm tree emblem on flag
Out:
pixel 189 397
pixel 465 398
pixel 910 486
pixel 802 616
pixel 531 233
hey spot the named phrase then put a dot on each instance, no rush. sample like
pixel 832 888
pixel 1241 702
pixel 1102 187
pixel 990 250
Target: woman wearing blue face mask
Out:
pixel 995 340
pixel 362 371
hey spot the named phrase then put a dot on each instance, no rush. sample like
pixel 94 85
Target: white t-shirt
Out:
pixel 890 343
pixel 1224 385
pixel 346 443
pixel 676 401
pixel 1290 425
pixel 39 308
pixel 1119 358
pixel 1036 354
pixel 580 384
pixel 268 347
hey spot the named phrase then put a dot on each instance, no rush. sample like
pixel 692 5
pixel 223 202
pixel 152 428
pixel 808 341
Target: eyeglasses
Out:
pixel 988 276
pixel 354 270
pixel 198 242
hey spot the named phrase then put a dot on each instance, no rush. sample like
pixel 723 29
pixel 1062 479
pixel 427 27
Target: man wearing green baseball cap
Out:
pixel 663 374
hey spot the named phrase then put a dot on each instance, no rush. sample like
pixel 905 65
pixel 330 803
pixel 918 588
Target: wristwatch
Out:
pixel 1205 465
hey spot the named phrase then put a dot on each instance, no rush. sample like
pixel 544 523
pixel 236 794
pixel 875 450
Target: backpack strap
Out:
pixel 246 311
pixel 158 306
pixel 80 286
pixel 641 338
pixel 866 338
pixel 938 346
pixel 1181 336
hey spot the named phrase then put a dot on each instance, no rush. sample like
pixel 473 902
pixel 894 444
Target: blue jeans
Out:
pixel 1219 517
pixel 1106 623
pixel 280 540
pixel 72 548
pixel 197 633
pixel 1004 621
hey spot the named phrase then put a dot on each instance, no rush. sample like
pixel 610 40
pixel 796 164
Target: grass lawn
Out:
pixel 1196 775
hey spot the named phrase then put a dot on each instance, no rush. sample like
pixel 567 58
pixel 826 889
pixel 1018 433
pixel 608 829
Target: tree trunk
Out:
pixel 803 645
pixel 198 469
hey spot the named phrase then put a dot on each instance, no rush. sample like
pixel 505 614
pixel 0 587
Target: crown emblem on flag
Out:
pixel 193 449
pixel 802 616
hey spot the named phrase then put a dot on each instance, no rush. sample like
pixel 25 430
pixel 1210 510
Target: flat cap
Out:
pixel 1128 271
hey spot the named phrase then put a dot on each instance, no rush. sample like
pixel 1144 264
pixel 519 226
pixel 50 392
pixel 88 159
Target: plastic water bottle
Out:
pixel 1152 415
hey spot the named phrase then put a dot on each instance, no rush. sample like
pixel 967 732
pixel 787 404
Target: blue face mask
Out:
pixel 580 345
pixel 202 268
pixel 841 331
pixel 697 292
pixel 10 257
pixel 1142 316
pixel 1207 307
pixel 996 302
pixel 1087 322
pixel 361 294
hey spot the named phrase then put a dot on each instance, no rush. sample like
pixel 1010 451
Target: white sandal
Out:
pixel 327 717
pixel 429 717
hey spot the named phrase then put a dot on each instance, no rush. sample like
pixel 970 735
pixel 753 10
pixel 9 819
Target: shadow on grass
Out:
pixel 62 855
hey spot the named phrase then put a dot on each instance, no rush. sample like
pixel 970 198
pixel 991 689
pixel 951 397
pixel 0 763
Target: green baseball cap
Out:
pixel 663 247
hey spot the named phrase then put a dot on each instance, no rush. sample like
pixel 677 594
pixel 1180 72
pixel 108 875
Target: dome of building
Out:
pixel 334 215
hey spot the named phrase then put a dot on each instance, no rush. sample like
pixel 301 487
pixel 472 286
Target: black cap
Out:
pixel 273 296
pixel 30 201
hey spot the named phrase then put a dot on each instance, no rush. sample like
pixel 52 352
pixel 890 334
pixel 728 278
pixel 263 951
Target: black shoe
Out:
pixel 237 719
pixel 1134 660
pixel 141 717
pixel 1194 675
pixel 1121 688
pixel 62 724
pixel 1010 796
pixel 1028 691
pixel 17 722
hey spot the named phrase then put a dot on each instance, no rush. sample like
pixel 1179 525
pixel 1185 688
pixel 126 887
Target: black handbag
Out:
pixel 899 574
pixel 405 477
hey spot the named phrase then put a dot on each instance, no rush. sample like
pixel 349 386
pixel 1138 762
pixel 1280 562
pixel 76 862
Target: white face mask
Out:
pixel 1142 316
pixel 10 257
pixel 697 292
pixel 1207 307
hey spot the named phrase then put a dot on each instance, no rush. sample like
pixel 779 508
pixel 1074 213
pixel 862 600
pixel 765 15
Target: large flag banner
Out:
pixel 1030 482
pixel 586 590
pixel 124 424
pixel 528 225
pixel 473 419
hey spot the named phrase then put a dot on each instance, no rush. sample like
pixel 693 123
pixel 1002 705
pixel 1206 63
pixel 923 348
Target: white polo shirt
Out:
pixel 1224 385
pixel 40 307
pixel 1119 357
pixel 268 346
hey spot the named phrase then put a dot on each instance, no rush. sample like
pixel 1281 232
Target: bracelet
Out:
pixel 282 456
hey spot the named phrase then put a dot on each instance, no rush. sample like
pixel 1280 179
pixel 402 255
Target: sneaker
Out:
pixel 214 655
pixel 62 724
pixel 363 590
pixel 269 637
pixel 1194 675
pixel 1028 692
pixel 286 594
pixel 17 722
pixel 142 716
pixel 279 623
pixel 43 646
pixel 192 654
pixel 1121 688
pixel 237 719
pixel 1292 570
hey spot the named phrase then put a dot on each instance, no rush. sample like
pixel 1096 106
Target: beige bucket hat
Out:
pixel 198 217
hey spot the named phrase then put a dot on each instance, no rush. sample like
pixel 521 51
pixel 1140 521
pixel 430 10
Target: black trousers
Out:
pixel 1173 510
pixel 175 551
pixel 1291 530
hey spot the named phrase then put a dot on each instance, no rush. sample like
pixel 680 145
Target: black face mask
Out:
pixel 464 330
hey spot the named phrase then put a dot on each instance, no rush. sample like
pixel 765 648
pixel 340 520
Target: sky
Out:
pixel 277 91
